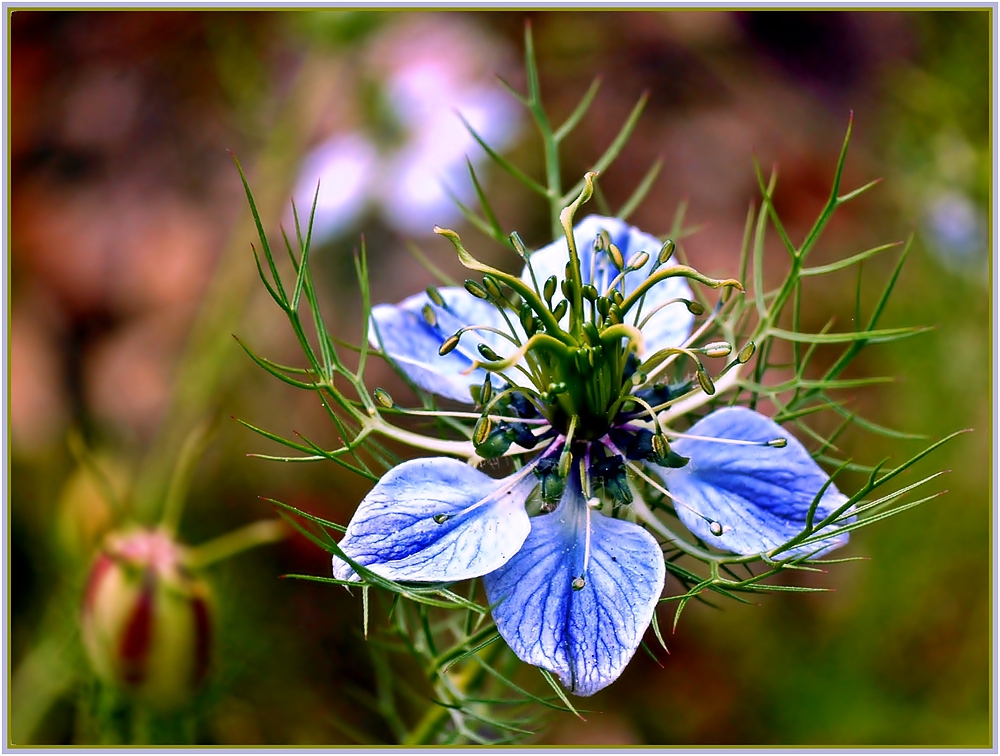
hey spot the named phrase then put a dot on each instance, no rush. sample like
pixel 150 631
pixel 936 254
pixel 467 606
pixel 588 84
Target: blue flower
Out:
pixel 574 584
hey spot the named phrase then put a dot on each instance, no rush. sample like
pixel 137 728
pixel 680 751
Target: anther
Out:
pixel 488 353
pixel 486 393
pixel 638 378
pixel 560 309
pixel 717 349
pixel 603 306
pixel 615 314
pixel 383 398
pixel 441 518
pixel 482 430
pixel 492 286
pixel 578 584
pixel 746 353
pixel 617 298
pixel 616 256
pixel 715 528
pixel 593 502
pixel 449 345
pixel 638 261
pixel 430 316
pixel 666 251
pixel 695 308
pixel 475 289
pixel 602 240
pixel 660 446
pixel 517 244
pixel 557 388
pixel 526 317
pixel 778 443
pixel 705 382
pixel 549 289
pixel 435 296
pixel 565 460
pixel 589 292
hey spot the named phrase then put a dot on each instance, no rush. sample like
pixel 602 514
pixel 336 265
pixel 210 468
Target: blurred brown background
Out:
pixel 125 203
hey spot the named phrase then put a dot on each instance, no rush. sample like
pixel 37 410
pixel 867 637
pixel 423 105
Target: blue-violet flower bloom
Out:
pixel 561 544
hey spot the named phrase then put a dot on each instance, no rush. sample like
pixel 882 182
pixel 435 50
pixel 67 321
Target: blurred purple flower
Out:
pixel 431 74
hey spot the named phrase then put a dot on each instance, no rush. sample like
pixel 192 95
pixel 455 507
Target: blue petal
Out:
pixel 413 343
pixel 760 495
pixel 394 532
pixel 585 636
pixel 669 326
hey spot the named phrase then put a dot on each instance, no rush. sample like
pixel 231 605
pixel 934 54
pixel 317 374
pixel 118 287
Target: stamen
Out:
pixel 430 317
pixel 435 296
pixel 513 486
pixel 777 443
pixel 475 289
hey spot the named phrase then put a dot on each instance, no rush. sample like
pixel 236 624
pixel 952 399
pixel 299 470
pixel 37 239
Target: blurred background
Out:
pixel 130 270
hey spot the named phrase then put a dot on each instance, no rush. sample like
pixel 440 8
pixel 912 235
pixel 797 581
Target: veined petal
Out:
pixel 437 520
pixel 585 635
pixel 759 495
pixel 668 326
pixel 413 343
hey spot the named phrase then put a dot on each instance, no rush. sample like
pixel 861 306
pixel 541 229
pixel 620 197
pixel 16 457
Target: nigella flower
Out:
pixel 561 544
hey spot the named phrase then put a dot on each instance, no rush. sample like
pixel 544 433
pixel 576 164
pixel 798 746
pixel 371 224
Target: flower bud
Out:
pixel 146 621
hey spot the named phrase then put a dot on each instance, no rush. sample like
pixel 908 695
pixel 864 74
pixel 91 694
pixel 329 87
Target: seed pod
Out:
pixel 666 252
pixel 475 289
pixel 435 296
pixel 146 623
pixel 382 397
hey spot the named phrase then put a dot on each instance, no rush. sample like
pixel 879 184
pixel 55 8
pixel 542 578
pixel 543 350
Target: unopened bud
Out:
pixel 146 623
